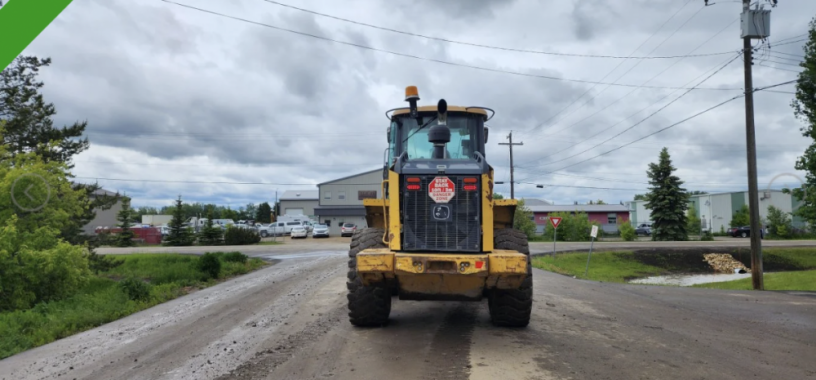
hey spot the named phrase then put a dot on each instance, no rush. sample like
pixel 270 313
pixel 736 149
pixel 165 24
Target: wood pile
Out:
pixel 723 262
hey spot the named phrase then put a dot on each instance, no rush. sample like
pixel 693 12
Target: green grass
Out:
pixel 269 243
pixel 103 301
pixel 802 280
pixel 604 266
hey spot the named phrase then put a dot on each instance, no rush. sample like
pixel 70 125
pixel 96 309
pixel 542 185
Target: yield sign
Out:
pixel 441 190
pixel 555 221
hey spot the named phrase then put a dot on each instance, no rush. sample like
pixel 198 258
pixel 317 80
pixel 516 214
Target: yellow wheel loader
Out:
pixel 436 233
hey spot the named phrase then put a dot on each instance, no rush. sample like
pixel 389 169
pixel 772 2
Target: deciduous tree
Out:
pixel 804 107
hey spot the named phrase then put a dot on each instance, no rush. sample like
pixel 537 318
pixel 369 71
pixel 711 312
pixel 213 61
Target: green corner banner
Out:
pixel 21 21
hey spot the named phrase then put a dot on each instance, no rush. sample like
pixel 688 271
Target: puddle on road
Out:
pixel 689 279
pixel 305 255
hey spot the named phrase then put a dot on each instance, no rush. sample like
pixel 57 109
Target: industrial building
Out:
pixel 299 202
pixel 104 218
pixel 715 210
pixel 341 200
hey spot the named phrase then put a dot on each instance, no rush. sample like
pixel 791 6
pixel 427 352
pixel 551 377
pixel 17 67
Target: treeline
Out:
pixel 259 213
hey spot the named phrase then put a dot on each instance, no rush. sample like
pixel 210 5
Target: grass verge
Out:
pixel 622 266
pixel 161 277
pixel 801 280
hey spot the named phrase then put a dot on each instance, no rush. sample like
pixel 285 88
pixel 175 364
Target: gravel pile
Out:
pixel 723 262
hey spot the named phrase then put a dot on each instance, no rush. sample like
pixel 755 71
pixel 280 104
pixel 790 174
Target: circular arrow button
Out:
pixel 30 192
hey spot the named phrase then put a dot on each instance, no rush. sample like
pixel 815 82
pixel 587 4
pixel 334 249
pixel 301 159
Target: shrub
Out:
pixel 135 288
pixel 241 236
pixel 209 264
pixel 627 231
pixel 235 257
pixel 706 236
pixel 573 227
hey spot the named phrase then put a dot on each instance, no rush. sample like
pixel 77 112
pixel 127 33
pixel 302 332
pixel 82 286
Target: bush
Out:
pixel 135 288
pixel 235 257
pixel 627 231
pixel 706 236
pixel 573 227
pixel 209 264
pixel 241 236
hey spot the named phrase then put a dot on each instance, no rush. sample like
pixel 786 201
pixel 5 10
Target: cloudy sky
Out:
pixel 177 95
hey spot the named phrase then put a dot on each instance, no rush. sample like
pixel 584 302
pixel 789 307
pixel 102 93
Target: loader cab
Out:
pixel 410 151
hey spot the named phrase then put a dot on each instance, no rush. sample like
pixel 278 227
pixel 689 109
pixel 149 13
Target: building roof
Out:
pixel 300 195
pixel 535 202
pixel 584 208
pixel 351 176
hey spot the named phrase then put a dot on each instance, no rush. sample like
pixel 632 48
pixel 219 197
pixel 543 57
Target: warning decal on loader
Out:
pixel 441 190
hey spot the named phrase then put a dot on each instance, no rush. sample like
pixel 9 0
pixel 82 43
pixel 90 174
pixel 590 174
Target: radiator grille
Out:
pixel 461 231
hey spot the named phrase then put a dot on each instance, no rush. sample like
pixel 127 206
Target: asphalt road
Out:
pixel 288 321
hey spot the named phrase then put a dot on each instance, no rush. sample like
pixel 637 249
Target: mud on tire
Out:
pixel 512 307
pixel 368 305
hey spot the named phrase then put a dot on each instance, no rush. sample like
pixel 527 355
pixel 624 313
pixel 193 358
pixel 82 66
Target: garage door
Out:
pixel 294 211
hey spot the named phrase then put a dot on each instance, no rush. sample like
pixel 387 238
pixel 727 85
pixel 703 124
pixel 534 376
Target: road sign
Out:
pixel 441 190
pixel 594 232
pixel 555 221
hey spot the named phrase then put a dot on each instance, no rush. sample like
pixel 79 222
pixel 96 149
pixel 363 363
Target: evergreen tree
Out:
pixel 179 234
pixel 264 214
pixel 125 237
pixel 667 201
pixel 804 107
pixel 210 235
pixel 694 222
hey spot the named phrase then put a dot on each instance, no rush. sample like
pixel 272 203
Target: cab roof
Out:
pixel 473 110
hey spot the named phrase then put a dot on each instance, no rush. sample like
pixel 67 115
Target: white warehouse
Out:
pixel 715 210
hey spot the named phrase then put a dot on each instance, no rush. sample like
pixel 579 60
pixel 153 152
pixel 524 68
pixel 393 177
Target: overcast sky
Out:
pixel 177 94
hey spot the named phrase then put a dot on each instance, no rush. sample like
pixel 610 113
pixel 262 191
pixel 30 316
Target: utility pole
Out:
pixel 512 183
pixel 750 139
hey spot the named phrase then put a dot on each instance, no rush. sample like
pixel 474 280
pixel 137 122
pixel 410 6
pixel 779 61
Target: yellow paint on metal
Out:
pixel 504 262
pixel 440 263
pixel 375 212
pixel 487 212
pixel 394 226
pixel 478 111
pixel 503 212
pixel 379 260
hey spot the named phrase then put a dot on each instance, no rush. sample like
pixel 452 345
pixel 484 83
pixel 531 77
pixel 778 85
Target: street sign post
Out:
pixel 593 234
pixel 555 222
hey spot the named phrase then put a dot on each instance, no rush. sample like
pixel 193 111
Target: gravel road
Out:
pixel 288 321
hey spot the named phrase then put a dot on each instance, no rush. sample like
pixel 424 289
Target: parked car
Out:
pixel 320 230
pixel 298 232
pixel 347 229
pixel 744 231
pixel 643 231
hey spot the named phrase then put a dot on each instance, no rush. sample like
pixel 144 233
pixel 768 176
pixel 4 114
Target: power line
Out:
pixel 482 45
pixel 649 135
pixel 647 117
pixel 778 68
pixel 215 182
pixel 616 67
pixel 449 63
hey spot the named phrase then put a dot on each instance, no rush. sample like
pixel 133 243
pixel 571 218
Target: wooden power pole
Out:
pixel 512 183
pixel 750 140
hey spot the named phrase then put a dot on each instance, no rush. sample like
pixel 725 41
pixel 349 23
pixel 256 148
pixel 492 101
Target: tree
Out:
pixel 264 213
pixel 780 224
pixel 574 226
pixel 741 217
pixel 600 202
pixel 210 235
pixel 694 224
pixel 179 234
pixel 498 196
pixel 640 197
pixel 29 127
pixel 125 216
pixel 804 107
pixel 697 192
pixel 667 201
pixel 523 220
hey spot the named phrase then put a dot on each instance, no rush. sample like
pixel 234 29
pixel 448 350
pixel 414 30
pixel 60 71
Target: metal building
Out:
pixel 715 210
pixel 341 200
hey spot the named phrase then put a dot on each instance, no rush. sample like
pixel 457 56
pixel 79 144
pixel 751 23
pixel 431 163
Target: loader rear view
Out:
pixel 437 233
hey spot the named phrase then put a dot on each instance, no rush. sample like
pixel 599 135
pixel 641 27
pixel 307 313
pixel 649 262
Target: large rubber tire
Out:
pixel 512 307
pixel 368 305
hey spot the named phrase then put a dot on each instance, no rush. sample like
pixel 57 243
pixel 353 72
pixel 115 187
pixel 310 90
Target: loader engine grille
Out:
pixel 445 227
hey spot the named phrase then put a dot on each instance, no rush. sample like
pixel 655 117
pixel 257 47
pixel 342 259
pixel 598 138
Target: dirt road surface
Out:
pixel 288 321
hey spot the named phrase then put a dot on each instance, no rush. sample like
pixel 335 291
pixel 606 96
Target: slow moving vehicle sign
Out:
pixel 441 189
